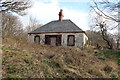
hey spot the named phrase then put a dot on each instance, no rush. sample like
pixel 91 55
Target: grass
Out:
pixel 12 69
pixel 26 61
pixel 113 53
pixel 51 62
pixel 46 71
pixel 105 54
pixel 13 50
pixel 12 76
pixel 100 55
pixel 114 75
pixel 51 68
pixel 118 61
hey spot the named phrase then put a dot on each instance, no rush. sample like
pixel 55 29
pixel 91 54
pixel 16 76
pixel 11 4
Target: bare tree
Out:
pixel 95 39
pixel 109 6
pixel 109 10
pixel 33 24
pixel 103 29
pixel 11 25
pixel 17 6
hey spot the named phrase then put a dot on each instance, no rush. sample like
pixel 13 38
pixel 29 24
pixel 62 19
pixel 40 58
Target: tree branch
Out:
pixel 105 15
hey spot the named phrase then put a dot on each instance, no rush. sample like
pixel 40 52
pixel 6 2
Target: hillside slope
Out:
pixel 27 60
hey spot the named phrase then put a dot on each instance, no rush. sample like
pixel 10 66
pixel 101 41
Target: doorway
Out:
pixel 54 40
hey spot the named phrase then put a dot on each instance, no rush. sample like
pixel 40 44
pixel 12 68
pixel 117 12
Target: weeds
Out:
pixel 27 66
pixel 118 61
pixel 12 76
pixel 12 69
pixel 13 50
pixel 113 53
pixel 104 54
pixel 52 63
pixel 114 75
pixel 28 60
pixel 100 55
pixel 68 61
pixel 46 71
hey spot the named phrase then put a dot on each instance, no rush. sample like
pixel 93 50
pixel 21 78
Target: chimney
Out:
pixel 61 15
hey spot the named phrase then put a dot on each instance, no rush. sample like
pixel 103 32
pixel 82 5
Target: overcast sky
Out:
pixel 47 10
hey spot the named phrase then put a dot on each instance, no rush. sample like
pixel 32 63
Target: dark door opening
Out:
pixel 54 40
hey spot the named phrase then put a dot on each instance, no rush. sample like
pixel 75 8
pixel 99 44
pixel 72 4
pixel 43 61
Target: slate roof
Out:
pixel 58 26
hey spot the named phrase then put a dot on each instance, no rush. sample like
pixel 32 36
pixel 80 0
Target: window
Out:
pixel 37 39
pixel 71 40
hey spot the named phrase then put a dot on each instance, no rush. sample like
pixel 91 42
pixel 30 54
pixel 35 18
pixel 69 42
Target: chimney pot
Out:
pixel 61 15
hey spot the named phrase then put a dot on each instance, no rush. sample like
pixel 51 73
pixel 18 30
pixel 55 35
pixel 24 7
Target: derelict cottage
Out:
pixel 59 33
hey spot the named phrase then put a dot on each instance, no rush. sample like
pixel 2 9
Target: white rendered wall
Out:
pixel 85 38
pixel 80 38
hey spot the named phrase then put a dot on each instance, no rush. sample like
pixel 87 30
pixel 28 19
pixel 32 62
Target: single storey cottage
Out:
pixel 59 33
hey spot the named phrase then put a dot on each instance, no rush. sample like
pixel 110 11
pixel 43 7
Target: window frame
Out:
pixel 73 40
pixel 35 38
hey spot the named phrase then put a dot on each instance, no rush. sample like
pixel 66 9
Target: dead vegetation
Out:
pixel 27 60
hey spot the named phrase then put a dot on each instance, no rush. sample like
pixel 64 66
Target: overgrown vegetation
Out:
pixel 108 54
pixel 27 60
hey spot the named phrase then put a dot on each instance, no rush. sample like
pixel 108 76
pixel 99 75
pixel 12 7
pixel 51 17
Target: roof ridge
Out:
pixel 62 20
